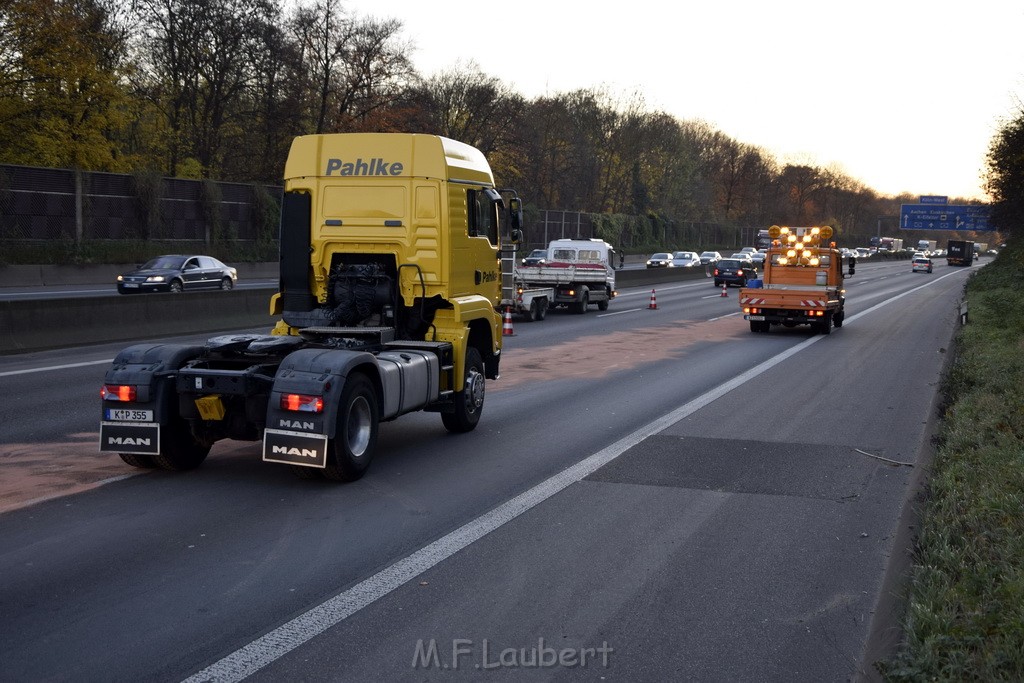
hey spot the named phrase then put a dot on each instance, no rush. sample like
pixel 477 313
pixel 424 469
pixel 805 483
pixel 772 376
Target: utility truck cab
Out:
pixel 802 282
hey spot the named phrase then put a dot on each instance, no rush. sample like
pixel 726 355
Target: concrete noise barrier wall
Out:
pixel 52 324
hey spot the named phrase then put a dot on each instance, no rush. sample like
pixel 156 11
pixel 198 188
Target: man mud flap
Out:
pixel 295 448
pixel 119 437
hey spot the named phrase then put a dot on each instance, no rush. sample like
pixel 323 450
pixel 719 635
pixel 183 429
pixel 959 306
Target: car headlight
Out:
pixel 120 278
pixel 155 278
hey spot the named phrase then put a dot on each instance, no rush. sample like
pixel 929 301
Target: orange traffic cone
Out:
pixel 725 289
pixel 654 303
pixel 506 330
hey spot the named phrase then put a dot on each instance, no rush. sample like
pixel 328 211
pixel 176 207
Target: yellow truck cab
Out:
pixel 802 282
pixel 389 278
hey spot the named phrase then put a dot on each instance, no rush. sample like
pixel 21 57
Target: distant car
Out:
pixel 748 250
pixel 660 260
pixel 759 256
pixel 734 272
pixel 710 257
pixel 743 256
pixel 176 273
pixel 921 265
pixel 536 257
pixel 685 259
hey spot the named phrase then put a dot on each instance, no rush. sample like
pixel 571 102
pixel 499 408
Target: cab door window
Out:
pixel 483 214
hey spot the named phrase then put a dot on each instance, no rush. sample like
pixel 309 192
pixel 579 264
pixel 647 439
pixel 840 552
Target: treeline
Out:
pixel 218 88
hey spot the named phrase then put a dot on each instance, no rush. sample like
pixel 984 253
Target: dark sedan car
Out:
pixel 734 272
pixel 537 257
pixel 176 273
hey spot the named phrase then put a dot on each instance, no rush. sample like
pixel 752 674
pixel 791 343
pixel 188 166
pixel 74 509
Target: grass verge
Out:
pixel 965 611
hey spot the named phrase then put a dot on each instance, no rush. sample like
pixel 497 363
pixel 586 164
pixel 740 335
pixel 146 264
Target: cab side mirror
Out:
pixel 515 209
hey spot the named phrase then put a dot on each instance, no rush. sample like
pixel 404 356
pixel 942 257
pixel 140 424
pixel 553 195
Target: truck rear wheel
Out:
pixel 583 302
pixel 602 305
pixel 825 326
pixel 179 450
pixel 140 460
pixel 355 435
pixel 837 319
pixel 534 313
pixel 469 402
pixel 542 308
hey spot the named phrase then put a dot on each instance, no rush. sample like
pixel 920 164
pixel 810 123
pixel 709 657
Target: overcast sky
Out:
pixel 904 95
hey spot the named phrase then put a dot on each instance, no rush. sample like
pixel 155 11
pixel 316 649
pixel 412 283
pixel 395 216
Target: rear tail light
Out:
pixel 302 403
pixel 117 392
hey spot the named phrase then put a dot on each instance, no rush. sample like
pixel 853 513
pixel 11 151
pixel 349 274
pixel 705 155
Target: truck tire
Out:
pixel 533 315
pixel 543 310
pixel 825 326
pixel 837 319
pixel 179 450
pixel 581 305
pixel 350 451
pixel 305 472
pixel 602 305
pixel 469 402
pixel 140 460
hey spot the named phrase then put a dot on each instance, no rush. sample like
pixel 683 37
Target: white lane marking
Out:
pixel 9 373
pixel 250 658
pixel 629 310
pixel 727 315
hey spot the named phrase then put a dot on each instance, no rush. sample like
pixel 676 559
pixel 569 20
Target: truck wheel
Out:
pixel 602 305
pixel 355 436
pixel 534 314
pixel 826 323
pixel 140 460
pixel 469 402
pixel 305 472
pixel 584 301
pixel 837 319
pixel 179 450
pixel 543 309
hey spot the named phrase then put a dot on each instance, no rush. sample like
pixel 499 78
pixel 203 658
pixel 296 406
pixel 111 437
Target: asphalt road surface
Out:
pixel 652 494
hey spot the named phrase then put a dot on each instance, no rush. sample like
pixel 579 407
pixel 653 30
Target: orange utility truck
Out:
pixel 801 284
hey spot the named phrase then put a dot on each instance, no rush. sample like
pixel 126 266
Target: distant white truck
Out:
pixel 580 271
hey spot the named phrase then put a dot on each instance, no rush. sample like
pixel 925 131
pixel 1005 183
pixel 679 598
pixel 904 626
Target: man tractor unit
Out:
pixel 389 281
pixel 802 283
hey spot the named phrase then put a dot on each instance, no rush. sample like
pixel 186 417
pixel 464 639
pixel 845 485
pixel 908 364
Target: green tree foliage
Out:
pixel 61 98
pixel 1005 175
pixel 217 89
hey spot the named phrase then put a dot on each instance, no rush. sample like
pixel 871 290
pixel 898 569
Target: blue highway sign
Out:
pixel 944 217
